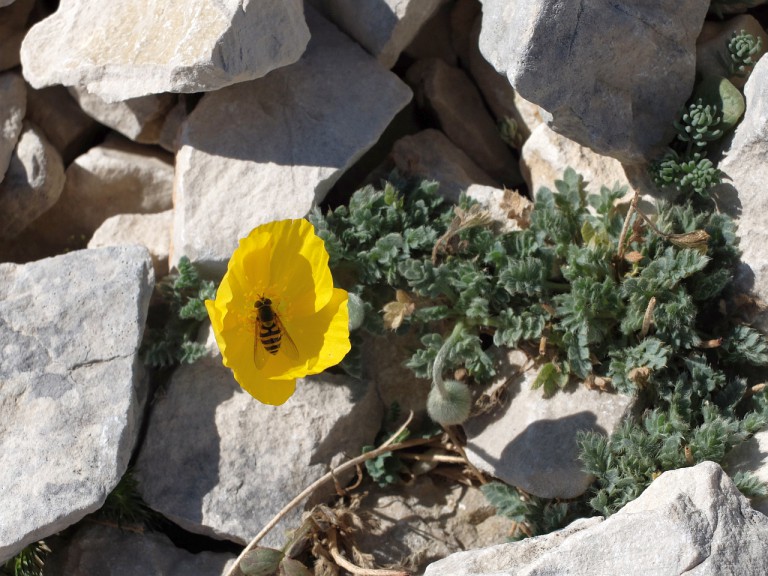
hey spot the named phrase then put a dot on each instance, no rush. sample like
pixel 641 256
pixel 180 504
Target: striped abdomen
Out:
pixel 270 334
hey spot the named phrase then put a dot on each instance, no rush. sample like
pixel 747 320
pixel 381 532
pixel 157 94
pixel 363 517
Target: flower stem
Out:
pixel 442 356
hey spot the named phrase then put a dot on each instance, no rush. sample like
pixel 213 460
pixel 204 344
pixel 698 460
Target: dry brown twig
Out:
pixel 457 448
pixel 388 446
pixel 333 547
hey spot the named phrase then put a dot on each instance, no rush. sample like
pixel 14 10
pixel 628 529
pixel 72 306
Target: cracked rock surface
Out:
pixel 72 386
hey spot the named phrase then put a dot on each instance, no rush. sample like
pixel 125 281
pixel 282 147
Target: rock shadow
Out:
pixel 543 456
pixel 178 462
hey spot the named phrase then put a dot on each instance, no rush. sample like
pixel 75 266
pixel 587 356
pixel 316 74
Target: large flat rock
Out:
pixel 611 76
pixel 72 386
pixel 272 148
pixel 106 551
pixel 530 441
pixel 691 521
pixel 216 461
pixel 742 194
pixel 127 48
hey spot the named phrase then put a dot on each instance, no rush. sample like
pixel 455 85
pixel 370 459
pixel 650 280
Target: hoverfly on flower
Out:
pixel 278 276
pixel 271 336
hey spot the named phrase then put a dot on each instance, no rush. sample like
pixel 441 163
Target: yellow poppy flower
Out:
pixel 277 316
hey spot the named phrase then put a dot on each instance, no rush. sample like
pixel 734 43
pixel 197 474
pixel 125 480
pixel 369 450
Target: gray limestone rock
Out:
pixel 610 76
pixel 13 107
pixel 496 89
pixel 106 551
pixel 141 119
pixel 435 38
pixel 430 154
pixel 116 177
pixel 73 386
pixel 451 97
pixel 218 462
pixel 152 231
pixel 13 27
pixel 383 27
pixel 546 154
pixel 67 127
pixel 125 49
pixel 511 558
pixel 530 441
pixel 743 193
pixel 691 521
pixel 32 184
pixel 272 148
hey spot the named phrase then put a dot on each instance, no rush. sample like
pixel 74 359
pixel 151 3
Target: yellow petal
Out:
pixel 323 339
pixel 299 267
pixel 274 392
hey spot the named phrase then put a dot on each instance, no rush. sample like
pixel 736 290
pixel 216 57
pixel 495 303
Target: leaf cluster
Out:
pixel 531 515
pixel 124 506
pixel 388 468
pixel 743 52
pixel 629 460
pixel 171 339
pixel 686 168
pixel 29 562
pixel 656 325
pixel 714 108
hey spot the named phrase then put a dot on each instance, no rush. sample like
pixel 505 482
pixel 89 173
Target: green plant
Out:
pixel 640 303
pixel 531 515
pixel 627 462
pixel 697 174
pixel 124 505
pixel 388 468
pixel 687 169
pixel 510 132
pixel 742 49
pixel 698 125
pixel 29 562
pixel 171 339
pixel 716 106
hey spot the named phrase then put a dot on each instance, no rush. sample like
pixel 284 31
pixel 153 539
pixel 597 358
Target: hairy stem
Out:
pixel 442 356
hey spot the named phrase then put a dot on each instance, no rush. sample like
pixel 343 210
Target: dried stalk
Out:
pixel 434 458
pixel 457 447
pixel 333 546
pixel 388 446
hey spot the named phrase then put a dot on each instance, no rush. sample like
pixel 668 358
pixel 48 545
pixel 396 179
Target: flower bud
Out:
pixel 356 308
pixel 451 407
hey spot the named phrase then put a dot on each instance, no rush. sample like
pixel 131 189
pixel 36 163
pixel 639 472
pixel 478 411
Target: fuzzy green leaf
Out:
pixel 551 378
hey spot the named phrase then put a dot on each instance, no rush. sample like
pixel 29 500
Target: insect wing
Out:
pixel 287 344
pixel 260 354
